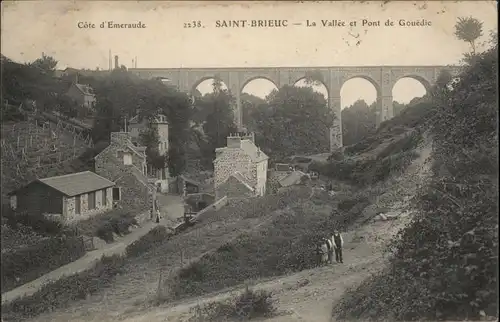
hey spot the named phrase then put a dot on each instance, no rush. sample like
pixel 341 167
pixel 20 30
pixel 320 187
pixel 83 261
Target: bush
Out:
pixel 247 306
pixel 67 289
pixel 116 221
pixel 27 264
pixel 37 222
pixel 367 171
pixel 155 237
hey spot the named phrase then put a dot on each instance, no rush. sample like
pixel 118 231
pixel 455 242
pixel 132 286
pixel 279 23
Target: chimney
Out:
pixel 120 138
pixel 247 136
pixel 233 141
pixel 116 62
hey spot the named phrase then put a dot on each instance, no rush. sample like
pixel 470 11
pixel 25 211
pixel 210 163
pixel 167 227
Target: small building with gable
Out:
pixel 83 95
pixel 240 168
pixel 73 196
pixel 125 164
pixel 136 127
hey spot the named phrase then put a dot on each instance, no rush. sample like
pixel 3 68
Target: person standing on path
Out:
pixel 338 243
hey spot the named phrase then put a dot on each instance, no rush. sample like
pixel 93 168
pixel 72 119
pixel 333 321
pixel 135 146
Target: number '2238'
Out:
pixel 193 24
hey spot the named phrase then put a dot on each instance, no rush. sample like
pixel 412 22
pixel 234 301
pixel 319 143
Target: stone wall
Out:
pixel 134 193
pixel 231 161
pixel 70 207
pixel 84 203
pixel 233 188
pixel 261 177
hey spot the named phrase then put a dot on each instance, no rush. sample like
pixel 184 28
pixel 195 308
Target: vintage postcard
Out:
pixel 228 161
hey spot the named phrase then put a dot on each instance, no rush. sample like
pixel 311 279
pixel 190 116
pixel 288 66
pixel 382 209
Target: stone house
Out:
pixel 82 94
pixel 136 126
pixel 240 168
pixel 125 164
pixel 73 196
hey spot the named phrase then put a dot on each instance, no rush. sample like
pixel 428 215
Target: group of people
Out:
pixel 330 245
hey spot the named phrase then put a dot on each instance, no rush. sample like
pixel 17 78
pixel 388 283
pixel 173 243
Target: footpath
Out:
pixel 91 258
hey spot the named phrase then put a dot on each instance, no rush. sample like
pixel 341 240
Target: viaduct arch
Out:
pixel 382 77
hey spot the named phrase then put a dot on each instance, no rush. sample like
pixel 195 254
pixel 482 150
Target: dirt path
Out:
pixel 90 258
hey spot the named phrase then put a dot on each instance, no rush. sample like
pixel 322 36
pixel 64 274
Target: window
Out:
pixel 116 194
pixel 91 201
pixel 127 158
pixel 104 197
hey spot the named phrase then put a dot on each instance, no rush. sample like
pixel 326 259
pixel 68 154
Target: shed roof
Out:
pixel 85 89
pixel 292 178
pixel 75 183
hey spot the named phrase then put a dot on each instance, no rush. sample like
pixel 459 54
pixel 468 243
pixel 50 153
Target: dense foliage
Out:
pixel 29 263
pixel 215 117
pixel 121 95
pixel 444 265
pixel 358 121
pixel 249 305
pixel 294 119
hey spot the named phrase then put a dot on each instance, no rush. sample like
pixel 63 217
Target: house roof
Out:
pixel 282 167
pixel 85 89
pixel 191 181
pixel 241 178
pixel 250 149
pixel 75 183
pixel 292 178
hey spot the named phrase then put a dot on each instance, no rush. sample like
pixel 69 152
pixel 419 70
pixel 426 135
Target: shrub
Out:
pixel 155 237
pixel 116 221
pixel 36 221
pixel 61 292
pixel 247 306
pixel 27 264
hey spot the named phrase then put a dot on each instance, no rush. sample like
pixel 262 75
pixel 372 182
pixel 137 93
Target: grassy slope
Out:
pixel 285 244
pixel 38 145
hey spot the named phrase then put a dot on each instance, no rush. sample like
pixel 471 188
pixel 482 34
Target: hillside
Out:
pixel 36 150
pixel 252 241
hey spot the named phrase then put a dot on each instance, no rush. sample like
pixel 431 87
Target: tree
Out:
pixel 151 141
pixel 250 103
pixel 358 121
pixel 217 121
pixel 469 29
pixel 296 120
pixel 45 63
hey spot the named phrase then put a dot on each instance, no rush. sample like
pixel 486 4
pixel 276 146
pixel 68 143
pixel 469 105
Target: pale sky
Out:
pixel 30 28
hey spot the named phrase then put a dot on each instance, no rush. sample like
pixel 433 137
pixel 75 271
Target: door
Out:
pixel 104 197
pixel 78 204
pixel 91 200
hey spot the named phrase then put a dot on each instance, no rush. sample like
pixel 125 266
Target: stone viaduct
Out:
pixel 383 79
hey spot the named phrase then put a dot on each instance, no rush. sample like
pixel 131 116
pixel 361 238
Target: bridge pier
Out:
pixel 336 128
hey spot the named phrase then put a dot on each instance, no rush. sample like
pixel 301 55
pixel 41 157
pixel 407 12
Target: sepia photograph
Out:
pixel 280 161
